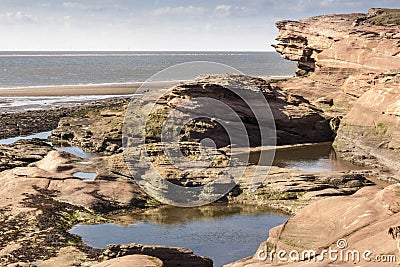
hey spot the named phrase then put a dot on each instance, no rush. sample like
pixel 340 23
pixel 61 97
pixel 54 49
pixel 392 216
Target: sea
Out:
pixel 35 70
pixel 38 69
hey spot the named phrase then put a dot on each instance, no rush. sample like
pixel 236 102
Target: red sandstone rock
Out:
pixel 132 261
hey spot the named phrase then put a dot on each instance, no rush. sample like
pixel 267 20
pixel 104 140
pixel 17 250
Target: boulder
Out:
pixel 362 220
pixel 132 261
pixel 170 256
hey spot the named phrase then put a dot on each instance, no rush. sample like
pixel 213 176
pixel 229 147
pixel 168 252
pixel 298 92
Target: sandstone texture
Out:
pixel 93 129
pixel 292 190
pixel 296 119
pixel 41 201
pixel 370 134
pixel 34 121
pixel 341 54
pixel 22 153
pixel 132 261
pixel 346 89
pixel 348 66
pixel 351 65
pixel 361 219
pixel 170 256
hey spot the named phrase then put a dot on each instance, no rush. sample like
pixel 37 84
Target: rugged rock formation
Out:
pixel 34 121
pixel 132 261
pixel 170 256
pixel 292 190
pixel 341 53
pixel 22 153
pixel 40 202
pixel 297 121
pixel 370 133
pixel 25 123
pixel 353 64
pixel 93 129
pixel 362 220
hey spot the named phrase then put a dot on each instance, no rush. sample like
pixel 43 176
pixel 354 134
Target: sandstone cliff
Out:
pixel 341 54
pixel 351 65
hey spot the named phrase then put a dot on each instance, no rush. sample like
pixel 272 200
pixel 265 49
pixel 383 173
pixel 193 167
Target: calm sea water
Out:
pixel 23 69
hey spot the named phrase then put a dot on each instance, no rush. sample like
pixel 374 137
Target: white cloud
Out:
pixel 74 5
pixel 91 7
pixel 223 10
pixel 17 17
pixel 45 4
pixel 180 10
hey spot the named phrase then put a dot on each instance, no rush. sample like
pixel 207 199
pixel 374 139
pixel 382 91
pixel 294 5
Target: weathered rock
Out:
pixel 170 256
pixel 68 256
pixel 132 261
pixel 43 200
pixel 353 65
pixel 94 129
pixel 35 121
pixel 22 153
pixel 361 219
pixel 341 53
pixel 370 133
pixel 292 190
pixel 296 120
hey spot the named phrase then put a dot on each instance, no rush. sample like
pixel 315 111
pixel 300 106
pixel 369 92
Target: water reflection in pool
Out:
pixel 223 233
pixel 75 151
pixel 88 176
pixel 309 158
pixel 41 135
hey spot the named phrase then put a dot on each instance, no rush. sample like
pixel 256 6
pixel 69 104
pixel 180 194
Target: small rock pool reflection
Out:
pixel 308 158
pixel 224 233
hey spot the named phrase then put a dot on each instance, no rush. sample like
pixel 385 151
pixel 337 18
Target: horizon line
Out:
pixel 50 50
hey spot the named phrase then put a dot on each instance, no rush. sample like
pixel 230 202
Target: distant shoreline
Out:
pixel 82 90
pixel 94 89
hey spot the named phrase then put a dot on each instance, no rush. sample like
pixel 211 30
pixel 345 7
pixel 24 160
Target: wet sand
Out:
pixel 81 90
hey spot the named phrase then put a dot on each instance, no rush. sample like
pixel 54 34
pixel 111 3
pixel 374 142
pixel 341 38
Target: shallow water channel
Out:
pixel 224 233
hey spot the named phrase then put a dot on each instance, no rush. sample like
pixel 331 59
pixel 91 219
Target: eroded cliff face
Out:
pixel 341 54
pixel 349 66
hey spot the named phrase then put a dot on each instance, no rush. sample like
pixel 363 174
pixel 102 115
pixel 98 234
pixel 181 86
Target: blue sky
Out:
pixel 236 25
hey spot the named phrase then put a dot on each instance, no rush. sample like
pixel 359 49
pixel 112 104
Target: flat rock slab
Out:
pixel 132 261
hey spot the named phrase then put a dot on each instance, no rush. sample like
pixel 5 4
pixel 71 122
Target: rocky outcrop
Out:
pixel 341 53
pixel 93 129
pixel 352 62
pixel 170 256
pixel 362 220
pixel 350 67
pixel 132 261
pixel 22 123
pixel 292 190
pixel 296 120
pixel 370 133
pixel 28 122
pixel 22 153
pixel 41 201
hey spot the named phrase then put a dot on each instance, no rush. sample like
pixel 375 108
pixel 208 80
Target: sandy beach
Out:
pixel 81 90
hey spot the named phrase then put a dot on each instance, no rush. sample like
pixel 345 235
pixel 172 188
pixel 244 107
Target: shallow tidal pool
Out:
pixel 308 158
pixel 224 233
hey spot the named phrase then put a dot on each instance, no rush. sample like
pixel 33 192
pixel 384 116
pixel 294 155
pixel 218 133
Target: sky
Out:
pixel 155 25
